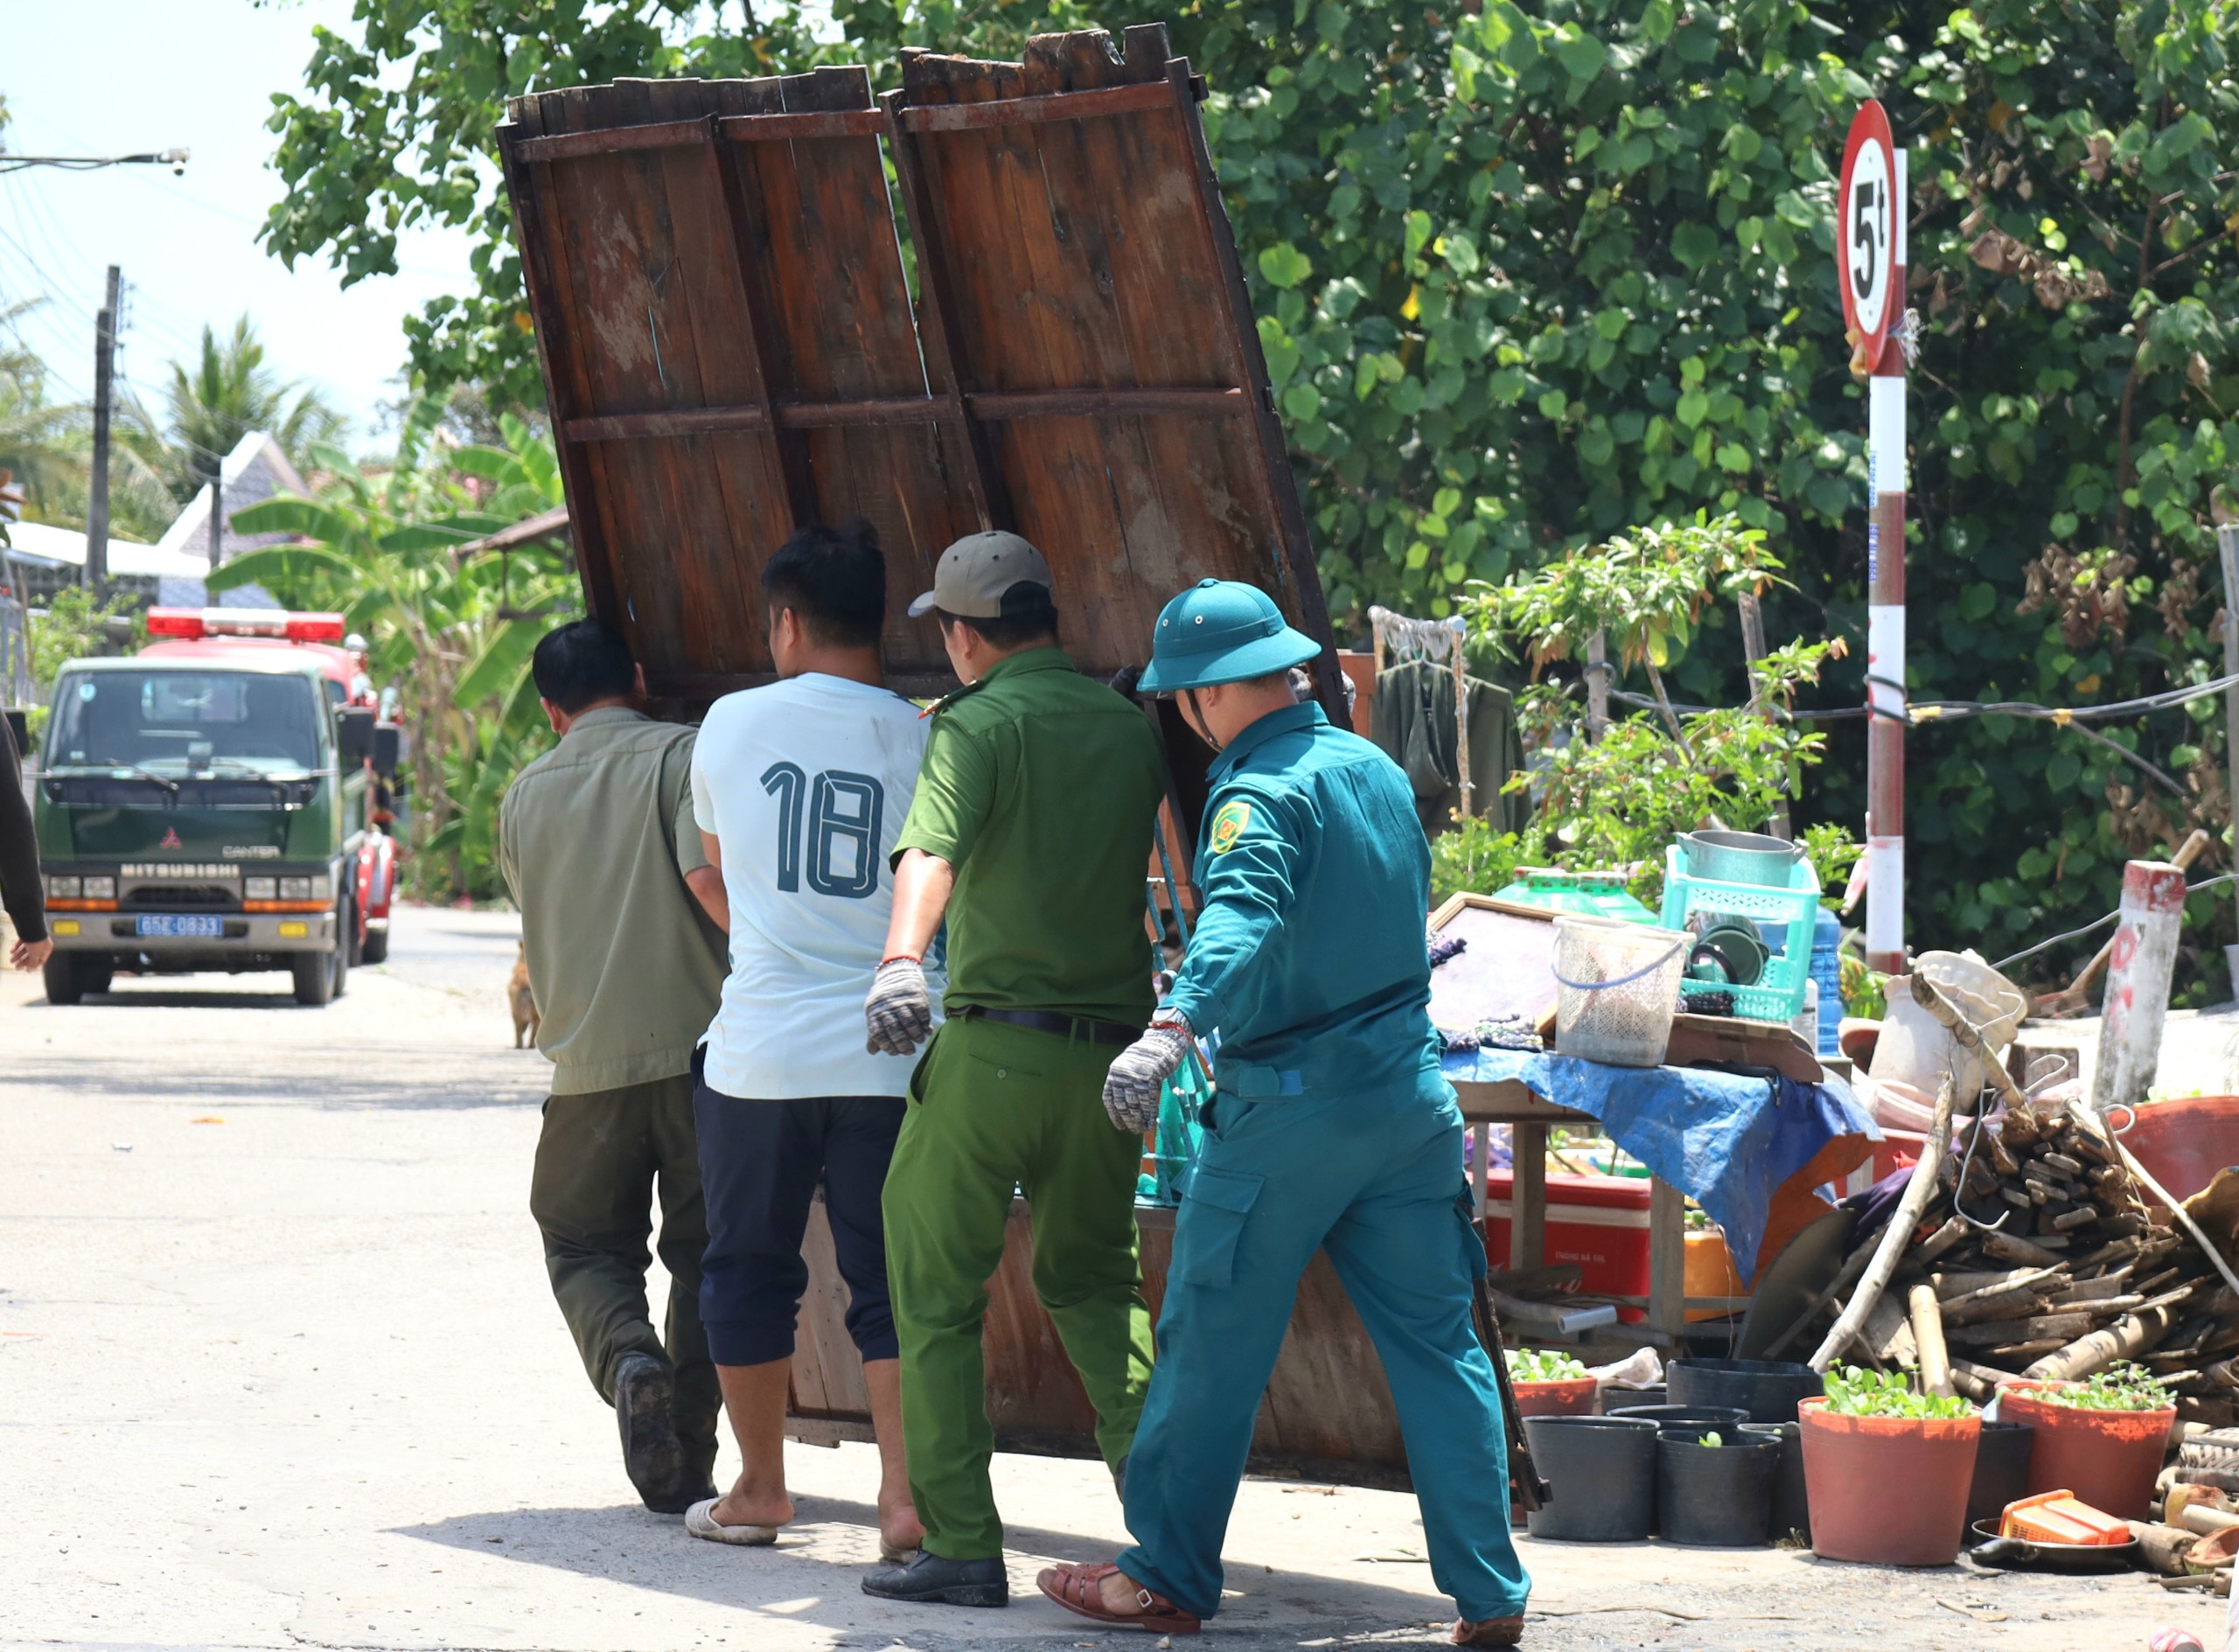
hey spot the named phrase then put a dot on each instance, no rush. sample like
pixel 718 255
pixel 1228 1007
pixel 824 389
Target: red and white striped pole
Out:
pixel 1885 626
pixel 1870 232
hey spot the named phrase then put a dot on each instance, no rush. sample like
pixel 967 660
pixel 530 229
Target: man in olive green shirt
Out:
pixel 597 842
pixel 1028 832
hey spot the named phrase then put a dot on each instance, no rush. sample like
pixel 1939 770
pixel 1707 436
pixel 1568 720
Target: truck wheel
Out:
pixel 346 945
pixel 315 977
pixel 60 973
pixel 375 951
pixel 94 975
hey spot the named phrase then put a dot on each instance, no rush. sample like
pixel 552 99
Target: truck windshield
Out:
pixel 185 722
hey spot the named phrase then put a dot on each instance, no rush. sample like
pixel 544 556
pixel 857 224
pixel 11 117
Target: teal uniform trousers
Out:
pixel 1331 1129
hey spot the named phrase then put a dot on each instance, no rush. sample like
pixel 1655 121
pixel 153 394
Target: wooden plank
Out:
pixel 808 415
pixel 567 385
pixel 827 1370
pixel 1667 1258
pixel 845 314
pixel 1070 106
pixel 947 362
pixel 806 126
pixel 612 140
pixel 1527 1233
pixel 740 215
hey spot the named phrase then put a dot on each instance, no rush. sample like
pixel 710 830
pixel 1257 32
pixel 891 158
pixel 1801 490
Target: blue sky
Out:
pixel 112 76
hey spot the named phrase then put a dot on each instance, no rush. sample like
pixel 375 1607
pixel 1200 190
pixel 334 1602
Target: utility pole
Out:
pixel 104 393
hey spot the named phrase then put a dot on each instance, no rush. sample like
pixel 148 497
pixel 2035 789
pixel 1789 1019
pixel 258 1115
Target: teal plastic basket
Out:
pixel 1785 916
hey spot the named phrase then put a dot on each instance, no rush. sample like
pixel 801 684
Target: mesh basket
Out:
pixel 1617 985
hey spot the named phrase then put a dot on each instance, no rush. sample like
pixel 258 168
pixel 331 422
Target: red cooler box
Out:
pixel 1598 1222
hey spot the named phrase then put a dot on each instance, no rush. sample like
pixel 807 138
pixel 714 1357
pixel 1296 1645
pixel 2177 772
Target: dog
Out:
pixel 523 1000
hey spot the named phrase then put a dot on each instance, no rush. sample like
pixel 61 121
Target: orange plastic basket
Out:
pixel 2057 1517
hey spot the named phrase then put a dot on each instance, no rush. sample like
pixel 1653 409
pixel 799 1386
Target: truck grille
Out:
pixel 182 895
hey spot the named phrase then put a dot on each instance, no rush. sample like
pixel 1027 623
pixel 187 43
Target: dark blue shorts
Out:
pixel 761 1165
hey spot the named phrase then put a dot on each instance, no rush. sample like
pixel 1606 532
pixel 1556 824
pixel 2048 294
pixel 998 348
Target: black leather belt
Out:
pixel 1042 1021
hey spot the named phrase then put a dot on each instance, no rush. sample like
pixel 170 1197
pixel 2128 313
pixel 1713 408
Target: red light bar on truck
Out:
pixel 191 622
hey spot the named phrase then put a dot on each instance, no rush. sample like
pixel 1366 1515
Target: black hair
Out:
pixel 581 662
pixel 1028 616
pixel 835 580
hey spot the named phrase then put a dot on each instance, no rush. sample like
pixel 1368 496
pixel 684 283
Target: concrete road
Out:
pixel 278 1368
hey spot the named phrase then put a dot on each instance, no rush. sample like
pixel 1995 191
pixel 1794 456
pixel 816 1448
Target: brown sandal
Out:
pixel 1079 1590
pixel 1490 1632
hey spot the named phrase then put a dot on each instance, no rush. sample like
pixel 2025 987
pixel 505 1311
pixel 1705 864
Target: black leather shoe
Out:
pixel 932 1581
pixel 644 1397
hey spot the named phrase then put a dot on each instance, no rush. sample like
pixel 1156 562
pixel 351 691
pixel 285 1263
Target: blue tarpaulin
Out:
pixel 1726 1139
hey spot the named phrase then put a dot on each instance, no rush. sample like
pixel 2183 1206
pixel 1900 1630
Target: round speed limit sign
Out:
pixel 1866 233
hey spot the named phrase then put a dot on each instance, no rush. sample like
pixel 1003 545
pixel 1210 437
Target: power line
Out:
pixel 176 159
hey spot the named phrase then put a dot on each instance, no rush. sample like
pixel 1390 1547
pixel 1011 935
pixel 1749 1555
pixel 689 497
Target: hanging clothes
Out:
pixel 1411 718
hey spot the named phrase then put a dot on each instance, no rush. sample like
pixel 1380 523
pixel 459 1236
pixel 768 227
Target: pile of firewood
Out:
pixel 2059 1273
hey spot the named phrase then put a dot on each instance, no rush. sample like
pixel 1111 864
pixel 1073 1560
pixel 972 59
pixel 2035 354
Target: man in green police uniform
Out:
pixel 1028 833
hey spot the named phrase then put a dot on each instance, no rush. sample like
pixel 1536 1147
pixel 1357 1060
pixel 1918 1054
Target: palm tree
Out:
pixel 455 636
pixel 229 393
pixel 42 441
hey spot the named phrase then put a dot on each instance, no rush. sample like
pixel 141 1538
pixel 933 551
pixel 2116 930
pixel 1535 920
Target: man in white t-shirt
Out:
pixel 799 790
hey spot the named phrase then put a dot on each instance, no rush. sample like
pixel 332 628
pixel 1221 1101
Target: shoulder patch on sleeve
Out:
pixel 1229 825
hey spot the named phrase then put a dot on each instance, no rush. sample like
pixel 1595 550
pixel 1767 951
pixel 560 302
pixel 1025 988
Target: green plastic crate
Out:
pixel 1777 995
pixel 1583 894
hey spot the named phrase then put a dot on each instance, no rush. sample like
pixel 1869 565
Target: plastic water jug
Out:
pixel 1827 970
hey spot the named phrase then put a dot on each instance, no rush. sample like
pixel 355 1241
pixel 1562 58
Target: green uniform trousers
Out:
pixel 601 1159
pixel 995 1108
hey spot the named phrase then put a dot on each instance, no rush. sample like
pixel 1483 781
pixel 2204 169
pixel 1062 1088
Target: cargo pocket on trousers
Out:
pixel 1209 1223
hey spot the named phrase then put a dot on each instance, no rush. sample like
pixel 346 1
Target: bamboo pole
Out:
pixel 1918 1191
pixel 1928 1335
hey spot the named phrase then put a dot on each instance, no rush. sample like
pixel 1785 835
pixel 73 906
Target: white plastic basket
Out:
pixel 1617 986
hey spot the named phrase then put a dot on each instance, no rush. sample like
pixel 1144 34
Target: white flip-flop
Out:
pixel 700 1521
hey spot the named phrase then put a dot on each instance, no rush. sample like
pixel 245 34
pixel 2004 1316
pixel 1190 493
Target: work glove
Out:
pixel 1131 1088
pixel 899 1011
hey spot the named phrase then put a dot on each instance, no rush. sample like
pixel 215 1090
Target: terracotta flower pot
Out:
pixel 1569 1396
pixel 1890 1491
pixel 2107 1459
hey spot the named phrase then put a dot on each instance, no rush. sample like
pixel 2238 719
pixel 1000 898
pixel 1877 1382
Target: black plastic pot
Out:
pixel 2001 1470
pixel 1615 1399
pixel 1768 1389
pixel 1602 1471
pixel 1791 1506
pixel 1683 1415
pixel 1716 1496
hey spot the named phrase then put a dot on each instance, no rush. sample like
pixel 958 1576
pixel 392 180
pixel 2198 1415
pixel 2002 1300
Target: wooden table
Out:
pixel 1528 1115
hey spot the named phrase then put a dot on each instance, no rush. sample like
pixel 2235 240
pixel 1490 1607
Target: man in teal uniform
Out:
pixel 1330 1128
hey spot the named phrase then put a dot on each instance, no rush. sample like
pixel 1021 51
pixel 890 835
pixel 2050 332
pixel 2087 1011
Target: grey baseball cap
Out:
pixel 970 579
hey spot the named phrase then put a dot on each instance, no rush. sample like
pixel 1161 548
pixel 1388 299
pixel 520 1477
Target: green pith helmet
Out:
pixel 1221 631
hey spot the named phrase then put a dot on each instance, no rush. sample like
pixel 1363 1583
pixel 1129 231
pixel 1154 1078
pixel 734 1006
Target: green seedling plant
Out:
pixel 1542 1365
pixel 2124 1386
pixel 1853 1392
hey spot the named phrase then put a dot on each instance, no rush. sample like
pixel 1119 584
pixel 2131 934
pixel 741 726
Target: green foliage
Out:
pixel 1832 853
pixel 1522 278
pixel 1646 589
pixel 454 638
pixel 2123 1386
pixel 226 394
pixel 1855 1392
pixel 396 126
pixel 74 626
pixel 1542 1365
pixel 1478 857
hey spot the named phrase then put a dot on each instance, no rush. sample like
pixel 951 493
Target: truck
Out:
pixel 218 802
